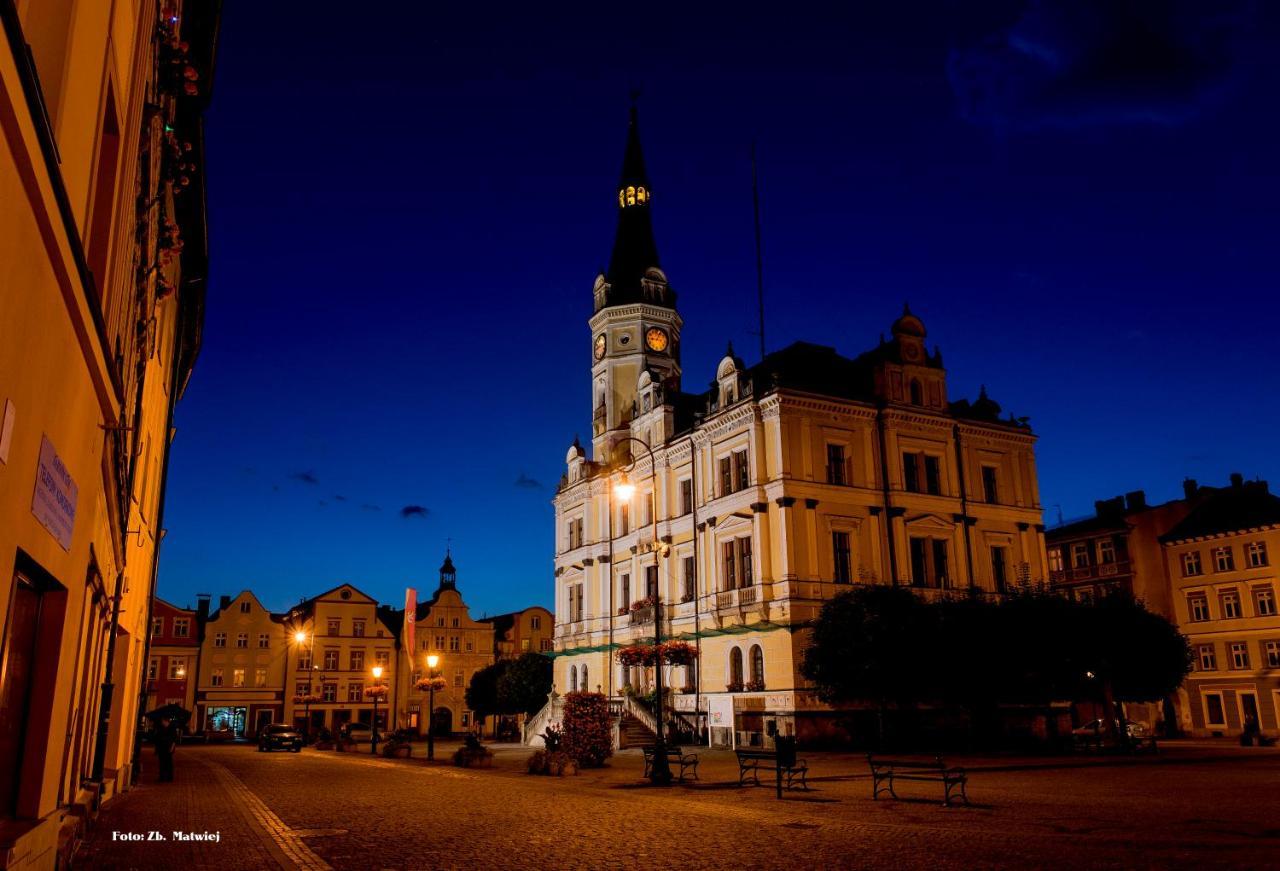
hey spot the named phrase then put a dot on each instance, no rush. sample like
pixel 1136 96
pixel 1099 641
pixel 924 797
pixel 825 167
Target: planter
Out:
pixel 397 750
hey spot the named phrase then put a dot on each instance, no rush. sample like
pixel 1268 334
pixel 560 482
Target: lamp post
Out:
pixel 300 637
pixel 373 733
pixel 432 661
pixel 660 772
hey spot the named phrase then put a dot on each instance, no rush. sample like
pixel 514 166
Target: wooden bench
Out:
pixel 675 759
pixel 750 762
pixel 889 770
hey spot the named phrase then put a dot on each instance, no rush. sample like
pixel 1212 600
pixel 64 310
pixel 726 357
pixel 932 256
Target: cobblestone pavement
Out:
pixel 1187 808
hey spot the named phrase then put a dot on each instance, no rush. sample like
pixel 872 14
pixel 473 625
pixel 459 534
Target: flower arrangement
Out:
pixel 641 604
pixel 379 690
pixel 430 683
pixel 754 686
pixel 670 652
pixel 679 653
pixel 687 597
pixel 635 654
pixel 622 611
pixel 733 687
pixel 306 700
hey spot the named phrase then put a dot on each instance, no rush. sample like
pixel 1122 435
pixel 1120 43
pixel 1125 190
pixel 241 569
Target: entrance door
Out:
pixel 1249 708
pixel 15 692
pixel 262 721
pixel 442 721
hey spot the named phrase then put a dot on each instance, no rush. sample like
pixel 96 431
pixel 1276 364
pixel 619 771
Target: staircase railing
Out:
pixel 551 712
pixel 640 712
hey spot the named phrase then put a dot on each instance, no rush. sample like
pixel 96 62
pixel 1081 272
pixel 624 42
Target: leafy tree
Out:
pixel 482 692
pixel 525 684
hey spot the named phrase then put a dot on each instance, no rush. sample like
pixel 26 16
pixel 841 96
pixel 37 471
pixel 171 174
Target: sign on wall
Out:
pixel 54 502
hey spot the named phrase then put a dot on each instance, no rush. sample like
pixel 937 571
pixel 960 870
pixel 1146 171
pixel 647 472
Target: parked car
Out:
pixel 358 732
pixel 1095 731
pixel 279 736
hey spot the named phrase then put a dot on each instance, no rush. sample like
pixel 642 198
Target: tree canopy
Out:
pixel 482 692
pixel 525 684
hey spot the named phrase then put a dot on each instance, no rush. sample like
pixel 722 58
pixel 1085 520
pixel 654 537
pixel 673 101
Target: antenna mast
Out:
pixel 755 202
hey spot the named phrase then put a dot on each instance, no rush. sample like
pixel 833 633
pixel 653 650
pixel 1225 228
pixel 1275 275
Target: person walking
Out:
pixel 1251 733
pixel 166 739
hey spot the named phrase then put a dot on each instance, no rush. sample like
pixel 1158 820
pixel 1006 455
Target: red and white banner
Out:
pixel 410 614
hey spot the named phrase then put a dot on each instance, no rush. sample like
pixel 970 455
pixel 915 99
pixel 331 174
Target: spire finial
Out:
pixel 729 351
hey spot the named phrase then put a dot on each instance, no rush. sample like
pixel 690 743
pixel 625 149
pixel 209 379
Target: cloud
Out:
pixel 526 483
pixel 306 477
pixel 340 498
pixel 1078 63
pixel 414 511
pixel 321 503
pixel 368 507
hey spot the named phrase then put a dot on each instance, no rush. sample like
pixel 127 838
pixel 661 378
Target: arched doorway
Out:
pixel 442 721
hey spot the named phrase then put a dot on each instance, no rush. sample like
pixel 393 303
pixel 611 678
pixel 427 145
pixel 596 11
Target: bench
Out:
pixel 750 761
pixel 889 770
pixel 675 758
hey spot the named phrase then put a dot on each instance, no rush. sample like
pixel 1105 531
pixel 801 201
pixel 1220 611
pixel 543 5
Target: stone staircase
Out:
pixel 633 733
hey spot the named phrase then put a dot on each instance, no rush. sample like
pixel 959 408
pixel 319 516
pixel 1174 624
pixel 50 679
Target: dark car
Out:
pixel 278 736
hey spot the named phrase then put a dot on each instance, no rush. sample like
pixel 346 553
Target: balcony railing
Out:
pixel 725 599
pixel 747 596
pixel 641 616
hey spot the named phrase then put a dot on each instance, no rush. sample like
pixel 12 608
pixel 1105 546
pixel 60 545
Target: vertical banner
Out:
pixel 410 613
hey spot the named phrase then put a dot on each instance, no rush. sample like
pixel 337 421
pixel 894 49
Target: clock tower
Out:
pixel 635 328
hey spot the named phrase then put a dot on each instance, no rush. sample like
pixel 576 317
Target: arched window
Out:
pixel 735 667
pixel 586 687
pixel 573 678
pixel 917 394
pixel 757 665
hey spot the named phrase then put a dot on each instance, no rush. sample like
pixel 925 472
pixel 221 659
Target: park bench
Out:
pixel 889 770
pixel 750 762
pixel 675 759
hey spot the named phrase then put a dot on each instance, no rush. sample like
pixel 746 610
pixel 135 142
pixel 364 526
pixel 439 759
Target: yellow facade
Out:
pixel 100 309
pixel 241 682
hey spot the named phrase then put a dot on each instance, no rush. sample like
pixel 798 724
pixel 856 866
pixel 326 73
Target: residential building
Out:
pixel 334 642
pixel 761 498
pixel 173 661
pixel 1221 561
pixel 519 632
pixel 443 627
pixel 102 237
pixel 242 679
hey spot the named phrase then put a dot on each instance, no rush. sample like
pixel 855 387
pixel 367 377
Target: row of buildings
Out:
pixel 1204 562
pixel 102 266
pixel 242 666
pixel 744 507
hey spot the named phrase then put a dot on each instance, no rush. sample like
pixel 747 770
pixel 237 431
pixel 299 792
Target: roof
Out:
pixel 635 251
pixel 1243 506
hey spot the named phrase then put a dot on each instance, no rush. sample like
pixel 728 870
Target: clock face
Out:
pixel 599 346
pixel 656 339
pixel 910 351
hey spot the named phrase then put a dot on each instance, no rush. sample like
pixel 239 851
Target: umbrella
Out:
pixel 174 712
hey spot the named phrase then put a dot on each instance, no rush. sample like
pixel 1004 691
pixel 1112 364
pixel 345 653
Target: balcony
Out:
pixel 640 616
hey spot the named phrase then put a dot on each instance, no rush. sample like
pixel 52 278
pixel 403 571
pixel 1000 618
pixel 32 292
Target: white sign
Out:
pixel 54 503
pixel 720 709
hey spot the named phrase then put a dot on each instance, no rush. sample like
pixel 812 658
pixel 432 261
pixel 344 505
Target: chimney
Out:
pixel 1237 480
pixel 1136 500
pixel 1109 507
pixel 1189 488
pixel 202 607
pixel 224 602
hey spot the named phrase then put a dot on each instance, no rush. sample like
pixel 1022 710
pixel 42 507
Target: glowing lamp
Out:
pixel 624 489
pixel 432 660
pixel 377 671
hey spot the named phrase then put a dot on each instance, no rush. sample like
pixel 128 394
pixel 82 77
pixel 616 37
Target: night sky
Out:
pixel 408 204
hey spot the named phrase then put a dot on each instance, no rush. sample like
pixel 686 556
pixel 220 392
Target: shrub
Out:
pixel 542 762
pixel 587 729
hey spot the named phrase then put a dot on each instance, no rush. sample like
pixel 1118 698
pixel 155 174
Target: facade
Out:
pixel 530 630
pixel 761 498
pixel 242 678
pixel 1223 581
pixel 333 643
pixel 101 301
pixel 443 627
pixel 173 664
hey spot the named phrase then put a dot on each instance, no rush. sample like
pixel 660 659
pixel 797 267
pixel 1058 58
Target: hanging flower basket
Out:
pixel 635 654
pixel 306 700
pixel 670 652
pixel 679 653
pixel 430 683
pixel 379 690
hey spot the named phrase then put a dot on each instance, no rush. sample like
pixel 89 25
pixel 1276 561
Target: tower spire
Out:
pixel 635 250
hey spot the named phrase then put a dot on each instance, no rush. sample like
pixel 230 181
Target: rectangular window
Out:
pixel 455 644
pixel 1272 651
pixel 357 628
pixel 1206 658
pixel 157 626
pixel 686 496
pixel 1256 554
pixel 1106 551
pixel 1191 564
pixel 1215 714
pixel 576 604
pixel 1223 559
pixel 220 639
pixel 1229 603
pixel 181 627
pixel 524 643
pixel 741 470
pixel 331 659
pixel 1080 555
pixel 1198 606
pixel 242 640
pixel 999 568
pixel 1239 655
pixel 302 689
pixel 264 641
pixel 990 485
pixel 356 660
pixel 624 520
pixel 626 590
pixel 837 473
pixel 153 668
pixel 688 593
pixel 215 678
pixel 1264 602
pixel 259 677
pixel 466 719
pixel 1055 559
pixel 453 621
pixel 382 658
pixel 439 641
pixel 730 579
pixel 244 607
pixel 842 553
pixel 177 667
pixel 746 573
pixel 237 677
pixel 920 562
pixel 726 476
pixel 932 475
pixel 355 691
pixel 457 678
pixel 911 472
pixel 940 566
pixel 329 692
pixel 544 645
pixel 304 662
pixel 651 581
pixel 335 626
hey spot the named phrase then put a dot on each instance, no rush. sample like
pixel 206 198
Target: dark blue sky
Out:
pixel 408 208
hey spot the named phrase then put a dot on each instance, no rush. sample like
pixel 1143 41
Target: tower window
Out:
pixel 917 394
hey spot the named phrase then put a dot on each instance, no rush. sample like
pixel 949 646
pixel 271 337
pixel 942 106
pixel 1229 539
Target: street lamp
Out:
pixel 300 638
pixel 432 661
pixel 373 733
pixel 660 772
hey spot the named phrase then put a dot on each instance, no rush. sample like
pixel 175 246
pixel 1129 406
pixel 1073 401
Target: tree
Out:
pixel 482 692
pixel 525 684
